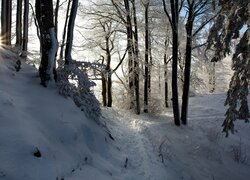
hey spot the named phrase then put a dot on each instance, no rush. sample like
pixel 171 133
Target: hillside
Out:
pixel 33 118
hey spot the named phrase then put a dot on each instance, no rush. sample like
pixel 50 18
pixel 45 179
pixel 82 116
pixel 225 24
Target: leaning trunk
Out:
pixel 187 70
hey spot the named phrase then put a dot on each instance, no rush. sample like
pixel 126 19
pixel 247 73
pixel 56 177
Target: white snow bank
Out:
pixel 33 118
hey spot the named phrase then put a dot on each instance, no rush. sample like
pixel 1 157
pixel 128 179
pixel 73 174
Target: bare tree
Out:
pixel 128 17
pixel 136 60
pixel 107 74
pixel 196 9
pixel 173 18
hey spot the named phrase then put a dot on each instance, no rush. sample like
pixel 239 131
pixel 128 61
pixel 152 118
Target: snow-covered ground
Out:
pixel 156 149
pixel 37 120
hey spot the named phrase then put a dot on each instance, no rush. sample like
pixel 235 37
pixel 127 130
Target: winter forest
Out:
pixel 124 90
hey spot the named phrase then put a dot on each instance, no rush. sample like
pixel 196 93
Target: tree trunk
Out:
pixel 60 64
pixel 104 90
pixel 212 78
pixel 109 86
pixel 175 98
pixel 19 23
pixel 25 28
pixel 56 17
pixel 70 33
pixel 3 21
pixel 108 73
pixel 166 75
pixel 187 69
pixel 6 22
pixel 146 79
pixel 44 15
pixel 130 48
pixel 9 17
pixel 149 65
pixel 136 63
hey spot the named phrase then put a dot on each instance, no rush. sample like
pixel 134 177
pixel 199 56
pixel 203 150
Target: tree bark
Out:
pixel 56 17
pixel 109 86
pixel 60 64
pixel 146 79
pixel 108 73
pixel 6 22
pixel 19 23
pixel 166 75
pixel 175 97
pixel 130 48
pixel 212 77
pixel 48 41
pixel 104 90
pixel 187 70
pixel 136 63
pixel 70 33
pixel 25 28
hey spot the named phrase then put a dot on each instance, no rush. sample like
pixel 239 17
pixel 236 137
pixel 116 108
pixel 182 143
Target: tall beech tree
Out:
pixel 127 15
pixel 173 18
pixel 107 74
pixel 136 60
pixel 201 9
pixel 146 79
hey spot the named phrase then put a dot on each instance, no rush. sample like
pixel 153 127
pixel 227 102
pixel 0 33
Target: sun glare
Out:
pixel 0 42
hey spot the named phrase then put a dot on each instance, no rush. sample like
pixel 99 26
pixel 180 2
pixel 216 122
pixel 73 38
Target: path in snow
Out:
pixel 193 152
pixel 132 134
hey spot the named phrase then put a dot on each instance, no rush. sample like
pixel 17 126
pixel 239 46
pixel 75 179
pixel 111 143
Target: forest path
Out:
pixel 133 137
pixel 156 149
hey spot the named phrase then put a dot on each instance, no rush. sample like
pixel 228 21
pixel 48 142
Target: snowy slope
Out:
pixel 145 147
pixel 34 118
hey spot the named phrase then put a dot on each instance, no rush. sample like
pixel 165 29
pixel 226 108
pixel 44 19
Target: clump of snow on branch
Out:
pixel 74 82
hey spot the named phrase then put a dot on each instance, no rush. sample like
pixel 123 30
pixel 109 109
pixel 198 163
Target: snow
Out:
pixel 52 52
pixel 145 147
